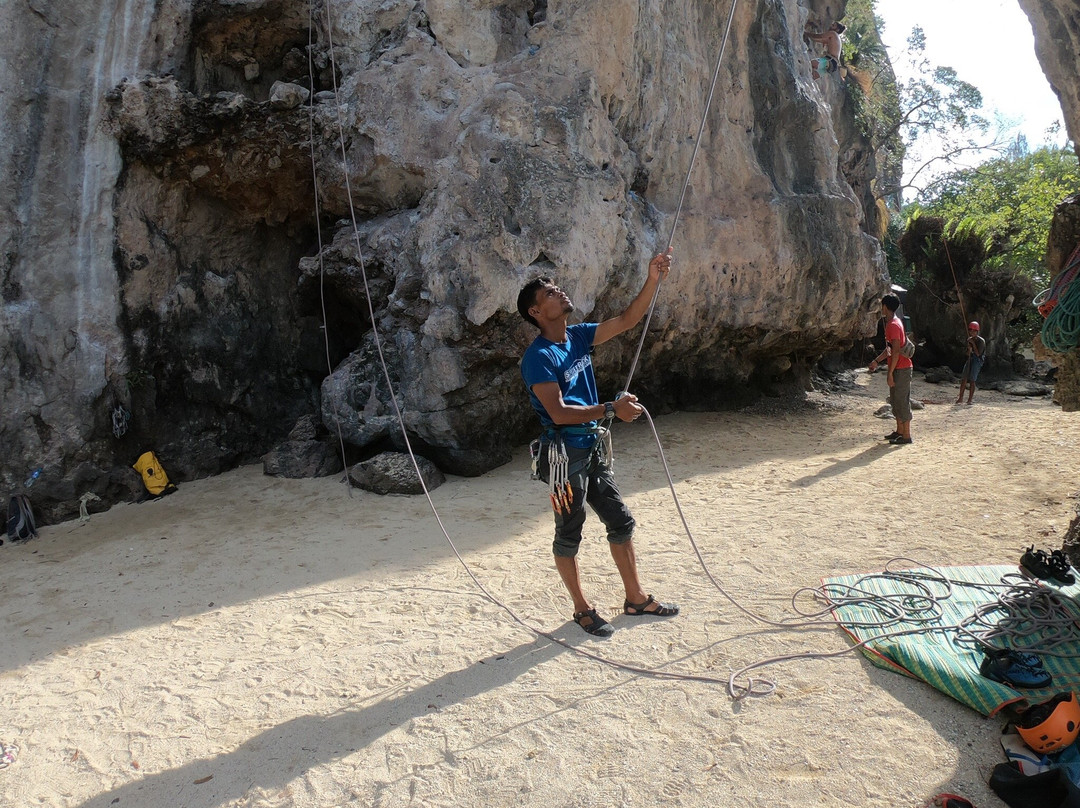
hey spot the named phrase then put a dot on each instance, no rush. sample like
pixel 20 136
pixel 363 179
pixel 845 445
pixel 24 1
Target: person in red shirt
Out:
pixel 899 371
pixel 976 350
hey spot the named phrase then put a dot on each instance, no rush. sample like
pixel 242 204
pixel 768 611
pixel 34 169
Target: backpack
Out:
pixel 20 519
pixel 153 475
pixel 909 348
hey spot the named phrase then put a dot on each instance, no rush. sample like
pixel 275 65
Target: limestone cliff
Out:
pixel 1056 24
pixel 161 248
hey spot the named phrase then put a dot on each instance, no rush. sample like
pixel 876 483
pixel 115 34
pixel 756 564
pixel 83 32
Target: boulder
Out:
pixel 198 283
pixel 1024 387
pixel 303 458
pixel 284 95
pixel 394 473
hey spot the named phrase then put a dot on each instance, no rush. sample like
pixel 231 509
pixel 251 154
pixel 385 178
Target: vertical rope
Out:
pixel 685 185
pixel 952 269
pixel 318 228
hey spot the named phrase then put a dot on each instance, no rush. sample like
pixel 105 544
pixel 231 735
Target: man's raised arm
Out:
pixel 658 270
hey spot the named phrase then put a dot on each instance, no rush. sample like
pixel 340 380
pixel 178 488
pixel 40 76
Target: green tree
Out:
pixel 1010 201
pixel 938 121
pixel 931 118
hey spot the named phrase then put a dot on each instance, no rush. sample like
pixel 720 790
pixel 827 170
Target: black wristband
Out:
pixel 609 410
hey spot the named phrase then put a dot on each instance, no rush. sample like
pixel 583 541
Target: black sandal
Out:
pixel 596 625
pixel 639 609
pixel 1053 566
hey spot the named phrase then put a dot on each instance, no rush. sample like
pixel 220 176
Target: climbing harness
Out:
pixel 553 442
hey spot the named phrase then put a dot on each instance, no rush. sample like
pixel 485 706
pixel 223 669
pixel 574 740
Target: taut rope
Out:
pixel 685 185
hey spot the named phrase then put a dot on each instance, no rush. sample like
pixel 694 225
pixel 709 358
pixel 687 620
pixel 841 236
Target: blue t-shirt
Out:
pixel 570 365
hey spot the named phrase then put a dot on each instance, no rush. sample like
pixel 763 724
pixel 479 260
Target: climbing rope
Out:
pixel 956 283
pixel 1048 298
pixel 1061 308
pixel 1061 331
pixel 920 607
pixel 685 185
pixel 318 217
pixel 397 411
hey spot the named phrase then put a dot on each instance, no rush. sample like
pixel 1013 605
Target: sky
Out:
pixel 989 43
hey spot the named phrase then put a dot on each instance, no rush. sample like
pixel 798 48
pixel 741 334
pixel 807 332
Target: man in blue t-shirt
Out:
pixel 557 369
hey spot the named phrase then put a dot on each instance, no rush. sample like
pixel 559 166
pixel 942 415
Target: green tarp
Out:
pixel 941 658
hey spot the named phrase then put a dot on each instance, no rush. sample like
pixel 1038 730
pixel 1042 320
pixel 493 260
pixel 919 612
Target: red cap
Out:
pixel 972 325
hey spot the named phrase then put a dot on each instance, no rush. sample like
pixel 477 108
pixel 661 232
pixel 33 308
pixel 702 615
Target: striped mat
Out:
pixel 936 657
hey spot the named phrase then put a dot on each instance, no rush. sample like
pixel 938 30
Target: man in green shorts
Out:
pixel 900 368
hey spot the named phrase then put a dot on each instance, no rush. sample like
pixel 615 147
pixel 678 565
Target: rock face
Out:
pixel 163 248
pixel 1064 239
pixel 1056 24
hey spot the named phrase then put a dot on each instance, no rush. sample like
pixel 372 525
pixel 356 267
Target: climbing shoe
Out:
pixel 1047 566
pixel 1007 667
pixel 1059 568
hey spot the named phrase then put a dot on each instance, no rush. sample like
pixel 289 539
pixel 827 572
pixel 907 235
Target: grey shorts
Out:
pixel 900 394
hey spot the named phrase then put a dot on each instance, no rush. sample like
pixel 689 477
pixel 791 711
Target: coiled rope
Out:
pixel 1061 329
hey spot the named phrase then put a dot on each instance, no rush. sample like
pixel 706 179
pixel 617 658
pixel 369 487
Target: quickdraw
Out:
pixel 560 492
pixel 120 419
pixel 562 495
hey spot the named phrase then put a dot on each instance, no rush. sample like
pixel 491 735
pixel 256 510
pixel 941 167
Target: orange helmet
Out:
pixel 1051 725
pixel 973 326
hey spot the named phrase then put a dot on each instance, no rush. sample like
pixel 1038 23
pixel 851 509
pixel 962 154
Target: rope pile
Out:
pixel 1061 308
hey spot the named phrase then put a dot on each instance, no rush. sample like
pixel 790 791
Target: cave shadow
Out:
pixel 927 702
pixel 175 558
pixel 62 588
pixel 279 754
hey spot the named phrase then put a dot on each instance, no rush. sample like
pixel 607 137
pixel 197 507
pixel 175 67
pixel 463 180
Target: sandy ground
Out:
pixel 252 641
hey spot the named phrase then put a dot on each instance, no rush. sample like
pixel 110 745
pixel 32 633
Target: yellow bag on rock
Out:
pixel 154 477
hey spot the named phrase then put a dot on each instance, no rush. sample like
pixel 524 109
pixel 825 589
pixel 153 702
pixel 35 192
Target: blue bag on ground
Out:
pixel 20 519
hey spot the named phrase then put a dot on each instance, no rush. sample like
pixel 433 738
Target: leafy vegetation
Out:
pixel 1010 201
pixel 989 224
pixel 932 117
pixel 995 219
